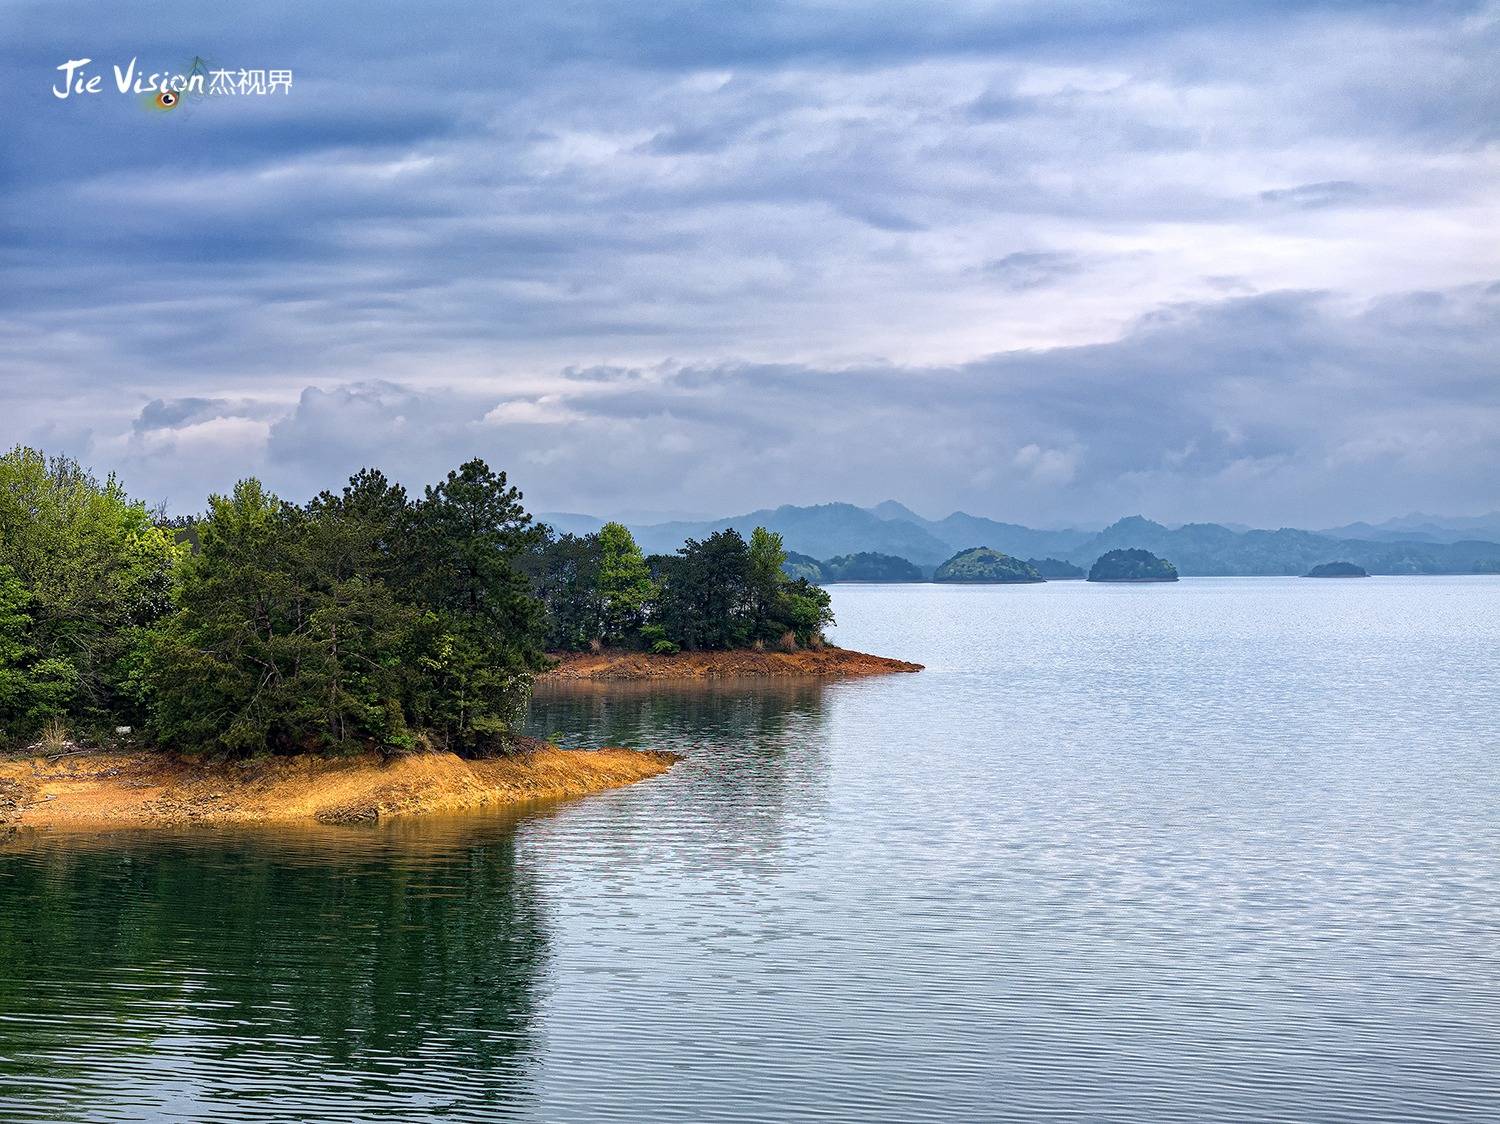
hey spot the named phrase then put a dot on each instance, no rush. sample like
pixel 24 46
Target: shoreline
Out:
pixel 613 665
pixel 104 790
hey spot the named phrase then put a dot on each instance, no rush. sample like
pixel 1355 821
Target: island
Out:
pixel 1131 566
pixel 980 564
pixel 870 566
pixel 1055 569
pixel 802 566
pixel 1337 570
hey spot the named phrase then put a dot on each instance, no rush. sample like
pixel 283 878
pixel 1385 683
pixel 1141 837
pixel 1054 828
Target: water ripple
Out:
pixel 1220 851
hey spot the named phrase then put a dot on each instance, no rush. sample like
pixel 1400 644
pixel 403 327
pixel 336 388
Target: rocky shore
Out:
pixel 826 662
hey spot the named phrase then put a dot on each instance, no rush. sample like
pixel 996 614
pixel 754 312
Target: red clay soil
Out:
pixel 826 662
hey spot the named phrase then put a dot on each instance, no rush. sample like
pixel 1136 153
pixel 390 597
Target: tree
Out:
pixel 360 620
pixel 233 667
pixel 356 561
pixel 724 593
pixel 765 581
pixel 805 610
pixel 472 534
pixel 290 631
pixel 625 585
pixel 564 574
pixel 32 688
pixel 92 573
pixel 706 591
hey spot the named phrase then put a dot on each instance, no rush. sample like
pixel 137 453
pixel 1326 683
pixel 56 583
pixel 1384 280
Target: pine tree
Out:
pixel 472 534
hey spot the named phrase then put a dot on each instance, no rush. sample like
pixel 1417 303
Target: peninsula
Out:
pixel 107 789
pixel 365 654
pixel 826 662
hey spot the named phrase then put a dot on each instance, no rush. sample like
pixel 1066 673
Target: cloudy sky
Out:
pixel 1043 261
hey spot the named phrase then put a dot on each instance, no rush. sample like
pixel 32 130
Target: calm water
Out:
pixel 1225 850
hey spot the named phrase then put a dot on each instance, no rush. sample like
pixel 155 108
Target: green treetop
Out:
pixel 625 585
pixel 92 571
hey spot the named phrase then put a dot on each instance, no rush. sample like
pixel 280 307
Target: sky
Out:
pixel 1049 262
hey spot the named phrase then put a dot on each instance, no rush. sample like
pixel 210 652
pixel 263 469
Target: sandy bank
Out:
pixel 826 662
pixel 148 788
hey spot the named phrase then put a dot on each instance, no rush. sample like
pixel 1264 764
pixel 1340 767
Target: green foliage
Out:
pixel 705 593
pixel 33 689
pixel 804 610
pixel 981 564
pixel 486 642
pixel 803 566
pixel 719 593
pixel 765 584
pixel 85 572
pixel 625 586
pixel 1055 568
pixel 232 667
pixel 361 619
pixel 353 621
pixel 869 566
pixel 724 593
pixel 1132 566
pixel 564 573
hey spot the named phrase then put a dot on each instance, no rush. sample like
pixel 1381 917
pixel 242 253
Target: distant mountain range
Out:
pixel 1424 528
pixel 1416 544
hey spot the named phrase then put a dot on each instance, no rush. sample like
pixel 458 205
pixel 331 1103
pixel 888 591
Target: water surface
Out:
pixel 1226 849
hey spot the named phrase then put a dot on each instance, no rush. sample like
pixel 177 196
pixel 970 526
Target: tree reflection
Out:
pixel 324 971
pixel 756 750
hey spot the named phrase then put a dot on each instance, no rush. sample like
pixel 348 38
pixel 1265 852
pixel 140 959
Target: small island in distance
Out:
pixel 1132 566
pixel 981 564
pixel 870 566
pixel 1055 569
pixel 1338 570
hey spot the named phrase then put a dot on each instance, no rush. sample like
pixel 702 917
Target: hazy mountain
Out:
pixel 1418 527
pixel 570 523
pixel 823 531
pixel 890 509
pixel 831 530
pixel 1209 549
pixel 962 531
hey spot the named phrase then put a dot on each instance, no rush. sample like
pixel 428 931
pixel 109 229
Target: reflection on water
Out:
pixel 322 975
pixel 1223 850
pixel 758 714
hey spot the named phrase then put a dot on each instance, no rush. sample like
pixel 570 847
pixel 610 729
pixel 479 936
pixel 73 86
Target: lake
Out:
pixel 1227 849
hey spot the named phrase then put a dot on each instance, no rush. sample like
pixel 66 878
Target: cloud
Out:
pixel 1033 269
pixel 1047 466
pixel 647 244
pixel 1278 408
pixel 1329 194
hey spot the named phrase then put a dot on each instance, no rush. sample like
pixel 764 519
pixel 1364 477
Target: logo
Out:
pixel 165 90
